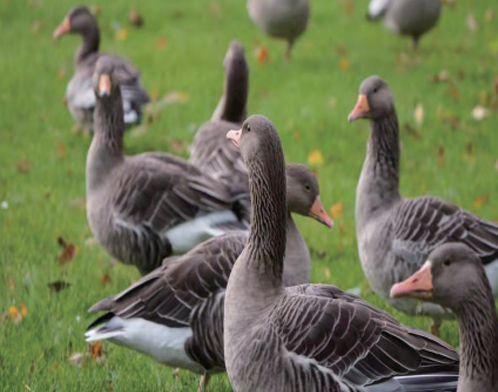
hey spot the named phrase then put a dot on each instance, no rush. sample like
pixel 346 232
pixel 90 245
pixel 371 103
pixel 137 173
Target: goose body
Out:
pixel 454 277
pixel 80 96
pixel 146 207
pixel 406 17
pixel 284 19
pixel 181 303
pixel 310 337
pixel 396 235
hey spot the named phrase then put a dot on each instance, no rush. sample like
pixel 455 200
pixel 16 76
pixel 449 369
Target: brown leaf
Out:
pixel 110 387
pixel 61 150
pixel 440 154
pixel 104 279
pixel 441 77
pixel 135 18
pixel 336 210
pixel 162 43
pixel 341 50
pixel 12 284
pixel 58 285
pixel 23 166
pixel 452 121
pixel 121 34
pixel 488 15
pixel 67 254
pixel 262 55
pixel 344 64
pixel 95 349
pixel 480 201
pixel 453 92
pixel 178 145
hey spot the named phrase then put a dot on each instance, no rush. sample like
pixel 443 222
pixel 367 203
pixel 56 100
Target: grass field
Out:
pixel 180 48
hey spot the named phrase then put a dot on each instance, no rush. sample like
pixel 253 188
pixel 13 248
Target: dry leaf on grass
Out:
pixel 68 251
pixel 419 114
pixel 315 158
pixel 336 210
pixel 135 18
pixel 162 43
pixel 121 34
pixel 344 63
pixel 262 55
pixel 440 155
pixel 480 201
pixel 472 23
pixel 104 279
pixel 22 166
pixel 15 314
pixel 61 150
pixel 58 285
pixel 441 77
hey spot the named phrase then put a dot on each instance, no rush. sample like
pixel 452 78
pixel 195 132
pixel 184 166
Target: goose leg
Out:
pixel 288 52
pixel 435 327
pixel 175 376
pixel 203 383
pixel 415 39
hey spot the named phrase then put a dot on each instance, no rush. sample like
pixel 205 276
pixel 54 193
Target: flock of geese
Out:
pixel 226 272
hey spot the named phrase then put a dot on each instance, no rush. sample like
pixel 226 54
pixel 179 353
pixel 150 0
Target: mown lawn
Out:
pixel 180 48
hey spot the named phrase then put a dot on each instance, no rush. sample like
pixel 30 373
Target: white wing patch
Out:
pixel 377 8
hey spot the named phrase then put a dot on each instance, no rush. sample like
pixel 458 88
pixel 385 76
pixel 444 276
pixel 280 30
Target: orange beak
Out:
pixel 361 110
pixel 64 28
pixel 104 85
pixel 234 136
pixel 318 212
pixel 419 285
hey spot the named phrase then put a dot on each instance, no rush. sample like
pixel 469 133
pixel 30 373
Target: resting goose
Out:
pixel 406 17
pixel 211 151
pixel 146 207
pixel 395 235
pixel 284 19
pixel 310 337
pixel 184 298
pixel 454 277
pixel 80 96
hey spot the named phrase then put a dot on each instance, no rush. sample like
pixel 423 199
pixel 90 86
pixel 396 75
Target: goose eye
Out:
pixel 248 128
pixel 307 187
pixel 375 89
pixel 447 262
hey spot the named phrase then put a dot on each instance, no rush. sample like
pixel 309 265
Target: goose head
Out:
pixel 375 100
pixel 79 20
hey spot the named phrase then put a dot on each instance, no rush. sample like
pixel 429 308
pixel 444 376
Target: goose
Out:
pixel 211 150
pixel 80 97
pixel 395 235
pixel 406 17
pixel 181 303
pixel 309 337
pixel 453 276
pixel 284 19
pixel 146 207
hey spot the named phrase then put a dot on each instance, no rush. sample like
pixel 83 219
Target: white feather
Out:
pixel 377 8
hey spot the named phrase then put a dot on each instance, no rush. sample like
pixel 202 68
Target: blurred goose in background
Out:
pixel 311 337
pixel 211 150
pixel 396 235
pixel 181 303
pixel 146 207
pixel 80 96
pixel 406 17
pixel 454 277
pixel 284 19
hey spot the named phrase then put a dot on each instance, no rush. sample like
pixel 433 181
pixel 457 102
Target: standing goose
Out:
pixel 211 150
pixel 311 337
pixel 145 207
pixel 284 19
pixel 80 96
pixel 184 298
pixel 406 17
pixel 395 235
pixel 454 277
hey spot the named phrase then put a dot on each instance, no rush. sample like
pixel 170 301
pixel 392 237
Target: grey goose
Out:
pixel 80 97
pixel 454 277
pixel 181 303
pixel 146 207
pixel 309 337
pixel 284 19
pixel 406 17
pixel 396 235
pixel 210 150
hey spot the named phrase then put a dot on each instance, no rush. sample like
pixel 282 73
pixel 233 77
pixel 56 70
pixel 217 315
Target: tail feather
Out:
pixel 429 383
pixel 112 327
pixel 101 320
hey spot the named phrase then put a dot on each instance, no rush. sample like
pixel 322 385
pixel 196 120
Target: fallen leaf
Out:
pixel 327 273
pixel 104 279
pixel 58 285
pixel 96 10
pixel 12 312
pixel 95 349
pixel 453 92
pixel 76 359
pixel 12 284
pixel 262 55
pixel 67 254
pixel 488 15
pixel 412 131
pixel 471 22
pixel 61 74
pixel 23 166
pixel 162 43
pixel 341 50
pixel 452 121
pixel 297 136
pixel 110 387
pixel 135 18
pixel 480 201
pixel 336 210
pixel 23 309
pixel 349 7
pixel 440 154
pixel 441 77
pixel 344 64
pixel 61 150
pixel 178 145
pixel 315 158
pixel 479 113
pixel 419 114
pixel 122 34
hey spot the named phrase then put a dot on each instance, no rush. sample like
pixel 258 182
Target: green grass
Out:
pixel 308 100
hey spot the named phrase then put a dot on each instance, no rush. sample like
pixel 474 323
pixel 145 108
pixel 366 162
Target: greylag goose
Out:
pixel 395 235
pixel 454 277
pixel 406 17
pixel 211 150
pixel 284 19
pixel 184 297
pixel 79 96
pixel 145 207
pixel 310 337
